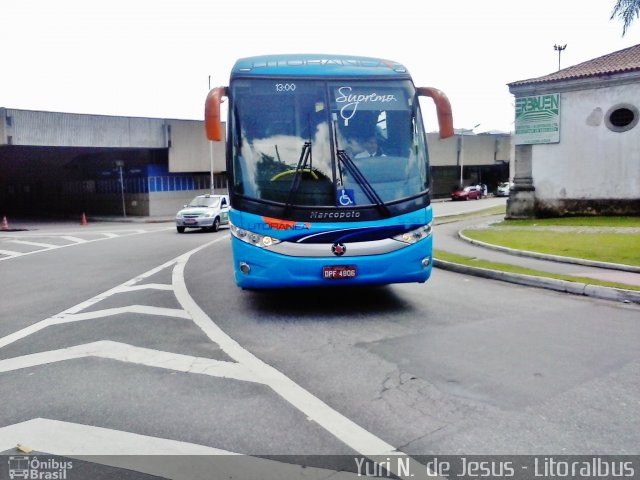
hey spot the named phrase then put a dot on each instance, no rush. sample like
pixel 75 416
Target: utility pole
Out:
pixel 559 49
pixel 211 184
pixel 462 133
pixel 119 164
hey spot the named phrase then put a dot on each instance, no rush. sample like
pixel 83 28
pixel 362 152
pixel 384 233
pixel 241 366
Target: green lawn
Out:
pixel 599 244
pixel 603 247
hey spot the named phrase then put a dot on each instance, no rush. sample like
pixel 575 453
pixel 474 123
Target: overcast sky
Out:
pixel 154 58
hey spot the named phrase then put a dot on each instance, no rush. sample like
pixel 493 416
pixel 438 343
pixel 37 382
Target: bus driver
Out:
pixel 371 148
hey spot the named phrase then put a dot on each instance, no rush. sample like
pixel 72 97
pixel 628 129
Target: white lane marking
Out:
pixel 66 317
pixel 347 431
pixel 107 312
pixel 11 253
pixel 343 428
pixel 105 230
pixel 131 354
pixel 55 247
pixel 65 438
pixel 148 286
pixel 162 457
pixel 35 244
pixel 74 239
pixel 25 332
pixel 340 426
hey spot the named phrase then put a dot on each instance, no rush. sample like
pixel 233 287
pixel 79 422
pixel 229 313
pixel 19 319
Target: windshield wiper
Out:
pixel 305 158
pixel 354 171
pixel 369 191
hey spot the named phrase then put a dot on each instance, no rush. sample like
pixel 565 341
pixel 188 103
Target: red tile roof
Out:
pixel 626 60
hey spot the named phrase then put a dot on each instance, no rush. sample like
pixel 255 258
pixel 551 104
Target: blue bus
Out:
pixel 328 170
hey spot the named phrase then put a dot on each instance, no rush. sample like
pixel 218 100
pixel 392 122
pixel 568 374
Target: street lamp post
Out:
pixel 119 164
pixel 211 184
pixel 462 132
pixel 559 49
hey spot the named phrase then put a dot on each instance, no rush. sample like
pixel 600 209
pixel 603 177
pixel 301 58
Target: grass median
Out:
pixel 605 239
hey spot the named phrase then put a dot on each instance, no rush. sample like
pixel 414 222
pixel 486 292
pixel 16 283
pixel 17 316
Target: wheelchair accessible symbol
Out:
pixel 345 197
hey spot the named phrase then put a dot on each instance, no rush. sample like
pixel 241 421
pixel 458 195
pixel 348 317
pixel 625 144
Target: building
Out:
pixel 64 163
pixel 467 158
pixel 577 140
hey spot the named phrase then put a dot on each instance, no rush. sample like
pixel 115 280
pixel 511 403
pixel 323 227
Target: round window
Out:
pixel 622 117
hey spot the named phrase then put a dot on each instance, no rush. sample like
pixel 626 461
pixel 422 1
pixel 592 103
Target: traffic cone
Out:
pixel 83 219
pixel 5 224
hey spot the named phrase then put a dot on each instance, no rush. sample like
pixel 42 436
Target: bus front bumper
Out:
pixel 256 268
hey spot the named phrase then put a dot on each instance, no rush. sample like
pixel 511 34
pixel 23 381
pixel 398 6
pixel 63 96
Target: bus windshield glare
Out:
pixel 326 143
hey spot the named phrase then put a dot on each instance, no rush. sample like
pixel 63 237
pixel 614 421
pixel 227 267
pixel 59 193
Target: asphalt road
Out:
pixel 137 339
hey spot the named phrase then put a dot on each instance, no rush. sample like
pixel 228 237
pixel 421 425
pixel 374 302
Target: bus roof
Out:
pixel 317 65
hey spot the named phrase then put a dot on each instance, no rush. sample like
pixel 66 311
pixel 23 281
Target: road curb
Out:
pixel 553 258
pixel 99 219
pixel 564 286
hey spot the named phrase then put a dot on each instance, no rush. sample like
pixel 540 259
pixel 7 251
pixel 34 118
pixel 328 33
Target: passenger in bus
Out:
pixel 371 148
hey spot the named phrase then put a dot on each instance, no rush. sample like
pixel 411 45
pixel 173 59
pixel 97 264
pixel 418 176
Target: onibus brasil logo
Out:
pixel 40 469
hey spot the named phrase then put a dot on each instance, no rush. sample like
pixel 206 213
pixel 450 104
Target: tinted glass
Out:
pixel 305 142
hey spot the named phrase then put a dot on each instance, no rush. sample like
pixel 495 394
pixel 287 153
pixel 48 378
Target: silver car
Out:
pixel 503 189
pixel 207 212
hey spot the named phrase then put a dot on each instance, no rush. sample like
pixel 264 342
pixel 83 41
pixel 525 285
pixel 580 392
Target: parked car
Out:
pixel 503 189
pixel 207 212
pixel 466 193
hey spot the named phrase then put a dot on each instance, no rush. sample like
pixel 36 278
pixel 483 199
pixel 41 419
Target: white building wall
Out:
pixel 190 151
pixel 167 204
pixel 55 129
pixel 477 149
pixel 590 162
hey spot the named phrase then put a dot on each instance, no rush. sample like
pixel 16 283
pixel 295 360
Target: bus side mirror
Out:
pixel 443 109
pixel 212 122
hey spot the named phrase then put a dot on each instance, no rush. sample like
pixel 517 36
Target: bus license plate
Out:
pixel 338 272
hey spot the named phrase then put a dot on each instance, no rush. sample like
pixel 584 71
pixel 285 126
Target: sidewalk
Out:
pixel 447 238
pixel 22 223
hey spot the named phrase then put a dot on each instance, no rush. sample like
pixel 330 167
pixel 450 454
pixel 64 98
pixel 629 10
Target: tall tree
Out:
pixel 627 11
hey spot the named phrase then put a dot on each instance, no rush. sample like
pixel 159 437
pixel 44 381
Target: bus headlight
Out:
pixel 414 236
pixel 252 238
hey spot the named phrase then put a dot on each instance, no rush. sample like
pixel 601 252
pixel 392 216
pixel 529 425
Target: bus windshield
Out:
pixel 326 143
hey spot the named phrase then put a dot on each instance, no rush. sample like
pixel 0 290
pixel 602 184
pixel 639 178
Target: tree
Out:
pixel 627 11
